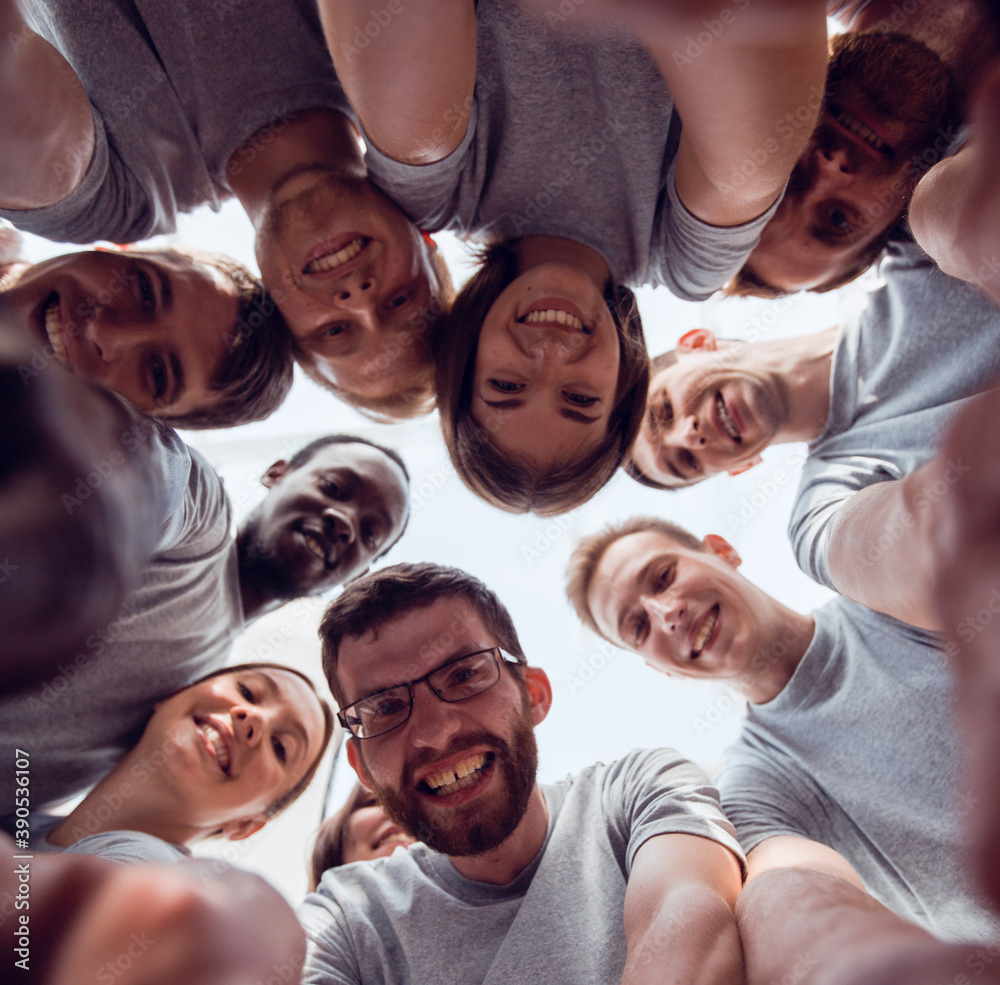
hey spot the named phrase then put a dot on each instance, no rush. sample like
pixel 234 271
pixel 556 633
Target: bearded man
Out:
pixel 627 871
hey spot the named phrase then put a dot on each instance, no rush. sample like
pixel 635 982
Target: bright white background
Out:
pixel 606 701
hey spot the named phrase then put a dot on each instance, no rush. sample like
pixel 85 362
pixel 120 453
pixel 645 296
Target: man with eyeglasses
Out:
pixel 627 867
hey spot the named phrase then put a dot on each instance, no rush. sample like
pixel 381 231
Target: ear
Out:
pixel 244 827
pixel 539 693
pixel 697 338
pixel 275 473
pixel 722 548
pixel 354 758
pixel 746 466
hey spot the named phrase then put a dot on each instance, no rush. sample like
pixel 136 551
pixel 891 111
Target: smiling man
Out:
pixel 849 754
pixel 117 120
pixel 627 867
pixel 895 83
pixel 330 511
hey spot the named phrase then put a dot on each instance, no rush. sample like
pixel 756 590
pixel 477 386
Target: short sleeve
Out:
pixel 825 487
pixel 656 791
pixel 766 796
pixel 199 525
pixel 427 193
pixel 329 955
pixel 694 259
pixel 127 847
pixel 109 203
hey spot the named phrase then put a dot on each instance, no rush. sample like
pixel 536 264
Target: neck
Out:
pixel 503 865
pixel 802 366
pixel 316 137
pixel 256 599
pixel 123 802
pixel 958 31
pixel 778 655
pixel 534 250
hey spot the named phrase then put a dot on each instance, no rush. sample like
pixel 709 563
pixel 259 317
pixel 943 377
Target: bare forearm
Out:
pixel 691 940
pixel 409 71
pixel 45 120
pixel 816 929
pixel 881 551
pixel 748 104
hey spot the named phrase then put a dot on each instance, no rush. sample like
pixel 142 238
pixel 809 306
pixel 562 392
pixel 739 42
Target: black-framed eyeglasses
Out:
pixel 458 679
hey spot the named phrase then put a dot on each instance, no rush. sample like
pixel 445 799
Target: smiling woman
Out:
pixel 220 757
pixel 188 337
pixel 541 376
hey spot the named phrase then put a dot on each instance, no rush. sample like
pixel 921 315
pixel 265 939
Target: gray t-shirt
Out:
pixel 116 846
pixel 411 918
pixel 859 751
pixel 177 625
pixel 176 87
pixel 570 136
pixel 901 370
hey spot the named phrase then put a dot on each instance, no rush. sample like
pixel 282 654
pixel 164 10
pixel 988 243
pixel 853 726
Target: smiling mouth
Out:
pixel 556 316
pixel 52 320
pixel 394 839
pixel 705 632
pixel 727 419
pixel 218 744
pixel 336 258
pixel 455 778
pixel 860 130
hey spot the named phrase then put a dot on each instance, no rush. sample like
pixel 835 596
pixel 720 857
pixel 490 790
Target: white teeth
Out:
pixel 54 332
pixel 332 260
pixel 703 634
pixel 857 127
pixel 221 752
pixel 314 545
pixel 550 315
pixel 460 775
pixel 726 418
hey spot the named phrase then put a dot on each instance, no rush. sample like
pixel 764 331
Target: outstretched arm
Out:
pixel 679 920
pixel 81 507
pixel 409 71
pixel 955 210
pixel 45 122
pixel 747 79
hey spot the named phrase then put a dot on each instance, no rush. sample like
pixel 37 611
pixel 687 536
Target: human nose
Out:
pixel 665 612
pixel 833 170
pixel 690 433
pixel 433 721
pixel 249 724
pixel 112 336
pixel 358 293
pixel 341 527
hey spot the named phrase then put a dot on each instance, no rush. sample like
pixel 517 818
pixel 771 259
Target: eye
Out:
pixel 332 331
pixel 664 579
pixel 158 377
pixel 505 386
pixel 639 626
pixel 279 749
pixel 839 220
pixel 581 400
pixel 400 299
pixel 689 460
pixel 369 536
pixel 147 294
pixel 245 692
pixel 331 489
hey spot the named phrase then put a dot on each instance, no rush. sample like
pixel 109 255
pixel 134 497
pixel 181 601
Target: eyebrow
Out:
pixel 829 237
pixel 514 404
pixel 276 695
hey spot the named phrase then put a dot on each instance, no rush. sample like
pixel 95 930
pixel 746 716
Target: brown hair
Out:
pixel 328 849
pixel 508 481
pixel 369 603
pixel 418 398
pixel 588 553
pixel 255 374
pixel 290 796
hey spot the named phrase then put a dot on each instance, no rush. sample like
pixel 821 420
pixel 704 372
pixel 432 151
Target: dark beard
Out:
pixel 482 829
pixel 902 78
pixel 260 568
